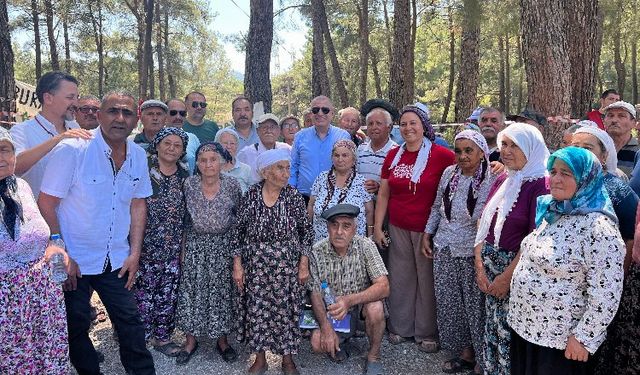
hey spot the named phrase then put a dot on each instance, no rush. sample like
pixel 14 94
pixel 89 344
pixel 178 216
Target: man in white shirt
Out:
pixel 35 138
pixel 93 195
pixel 372 153
pixel 268 133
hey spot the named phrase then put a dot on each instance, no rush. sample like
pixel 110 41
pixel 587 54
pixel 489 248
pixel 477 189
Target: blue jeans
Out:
pixel 123 312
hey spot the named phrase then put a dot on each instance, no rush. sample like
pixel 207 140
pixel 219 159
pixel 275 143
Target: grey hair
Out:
pixel 493 109
pixel 89 97
pixel 350 109
pixel 121 93
pixel 387 115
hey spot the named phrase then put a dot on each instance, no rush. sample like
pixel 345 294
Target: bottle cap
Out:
pixel 324 284
pixel 55 236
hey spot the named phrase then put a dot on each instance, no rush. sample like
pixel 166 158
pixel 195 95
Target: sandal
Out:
pixel 397 339
pixel 168 349
pixel 428 346
pixel 260 371
pixel 184 356
pixel 455 365
pixel 374 368
pixel 228 355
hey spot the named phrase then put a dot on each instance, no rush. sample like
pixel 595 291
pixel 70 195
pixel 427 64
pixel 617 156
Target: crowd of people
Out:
pixel 513 259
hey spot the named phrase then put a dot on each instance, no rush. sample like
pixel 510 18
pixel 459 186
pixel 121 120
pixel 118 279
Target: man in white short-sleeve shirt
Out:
pixel 93 195
pixel 35 138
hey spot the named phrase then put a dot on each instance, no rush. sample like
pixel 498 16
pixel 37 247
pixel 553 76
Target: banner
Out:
pixel 26 99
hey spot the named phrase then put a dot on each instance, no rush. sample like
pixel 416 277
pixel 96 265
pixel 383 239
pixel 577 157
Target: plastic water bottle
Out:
pixel 327 294
pixel 56 262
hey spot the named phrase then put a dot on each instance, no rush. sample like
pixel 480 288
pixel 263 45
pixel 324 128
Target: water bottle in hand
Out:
pixel 56 262
pixel 327 294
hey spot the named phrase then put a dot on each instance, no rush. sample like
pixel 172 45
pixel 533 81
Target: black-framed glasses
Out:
pixel 87 110
pixel 324 110
pixel 174 112
pixel 201 104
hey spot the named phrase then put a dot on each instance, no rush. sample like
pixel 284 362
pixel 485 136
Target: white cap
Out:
pixel 624 105
pixel 266 117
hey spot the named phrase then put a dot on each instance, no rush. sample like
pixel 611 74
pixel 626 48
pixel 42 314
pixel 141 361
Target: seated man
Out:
pixel 353 269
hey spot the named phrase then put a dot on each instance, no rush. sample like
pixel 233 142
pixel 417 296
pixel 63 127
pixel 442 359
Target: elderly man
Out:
pixel 350 120
pixel 268 134
pixel 353 270
pixel 609 96
pixel 312 147
pixel 491 122
pixel 175 118
pixel 86 115
pixel 195 122
pixel 93 195
pixel 371 154
pixel 152 115
pixel 242 112
pixel 35 138
pixel 619 120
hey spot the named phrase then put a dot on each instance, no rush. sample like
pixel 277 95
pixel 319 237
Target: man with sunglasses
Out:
pixel 312 147
pixel 175 119
pixel 86 115
pixel 242 112
pixel 195 122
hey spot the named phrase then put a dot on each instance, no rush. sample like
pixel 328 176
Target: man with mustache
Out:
pixel 619 120
pixel 176 115
pixel 34 139
pixel 242 112
pixel 86 115
pixel 195 122
pixel 371 154
pixel 491 122
pixel 352 268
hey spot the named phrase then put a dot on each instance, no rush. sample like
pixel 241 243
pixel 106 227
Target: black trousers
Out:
pixel 531 359
pixel 123 312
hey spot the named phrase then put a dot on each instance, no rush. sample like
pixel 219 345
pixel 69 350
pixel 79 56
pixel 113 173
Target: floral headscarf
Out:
pixel 215 147
pixel 154 165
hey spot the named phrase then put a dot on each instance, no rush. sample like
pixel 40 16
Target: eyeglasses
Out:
pixel 324 110
pixel 290 125
pixel 201 104
pixel 268 126
pixel 87 110
pixel 174 112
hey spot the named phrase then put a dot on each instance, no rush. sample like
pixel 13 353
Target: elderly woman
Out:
pixel 566 287
pixel 341 184
pixel 205 306
pixel 271 244
pixel 33 324
pixel 289 126
pixel 159 273
pixel 408 187
pixel 508 217
pixel 229 139
pixel 462 194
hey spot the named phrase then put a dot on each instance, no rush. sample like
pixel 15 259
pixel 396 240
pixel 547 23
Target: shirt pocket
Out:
pixel 127 186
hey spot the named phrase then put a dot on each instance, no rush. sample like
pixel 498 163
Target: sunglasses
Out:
pixel 324 110
pixel 174 112
pixel 87 110
pixel 201 104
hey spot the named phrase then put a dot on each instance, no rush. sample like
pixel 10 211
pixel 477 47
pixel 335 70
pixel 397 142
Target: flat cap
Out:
pixel 623 105
pixel 340 210
pixel 151 103
pixel 529 114
pixel 268 116
pixel 379 103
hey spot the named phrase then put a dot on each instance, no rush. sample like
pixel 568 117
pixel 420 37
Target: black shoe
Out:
pixel 184 357
pixel 229 354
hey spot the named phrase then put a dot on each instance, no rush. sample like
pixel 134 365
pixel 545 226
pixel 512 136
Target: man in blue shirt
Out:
pixel 312 147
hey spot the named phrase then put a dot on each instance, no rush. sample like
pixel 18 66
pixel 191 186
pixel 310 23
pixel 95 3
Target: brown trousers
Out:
pixel 412 299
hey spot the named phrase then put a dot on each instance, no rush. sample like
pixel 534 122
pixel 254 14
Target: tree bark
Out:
pixel 399 79
pixel 160 52
pixel 148 50
pixel 257 81
pixel 95 13
pixel 546 60
pixel 319 78
pixel 7 82
pixel 584 39
pixel 53 48
pixel 521 75
pixel 452 66
pixel 507 74
pixel 134 7
pixel 387 27
pixel 36 37
pixel 363 32
pixel 333 57
pixel 467 89
pixel 621 73
pixel 634 71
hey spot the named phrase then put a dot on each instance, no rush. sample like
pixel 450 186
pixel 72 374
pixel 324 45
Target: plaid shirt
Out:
pixel 350 274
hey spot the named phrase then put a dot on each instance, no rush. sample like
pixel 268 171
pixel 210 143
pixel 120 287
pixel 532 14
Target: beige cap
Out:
pixel 624 105
pixel 267 117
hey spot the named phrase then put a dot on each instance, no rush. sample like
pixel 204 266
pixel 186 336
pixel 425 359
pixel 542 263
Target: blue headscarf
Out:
pixel 590 196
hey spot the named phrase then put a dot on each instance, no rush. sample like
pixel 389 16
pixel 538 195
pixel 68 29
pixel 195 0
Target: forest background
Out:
pixel 556 56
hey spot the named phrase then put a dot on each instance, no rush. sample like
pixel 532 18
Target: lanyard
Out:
pixel 45 129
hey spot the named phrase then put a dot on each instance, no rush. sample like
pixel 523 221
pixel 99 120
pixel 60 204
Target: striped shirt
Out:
pixel 350 274
pixel 627 156
pixel 370 162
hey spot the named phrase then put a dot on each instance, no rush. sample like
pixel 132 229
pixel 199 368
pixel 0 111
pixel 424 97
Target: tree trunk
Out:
pixel 501 78
pixel 134 7
pixel 67 47
pixel 584 39
pixel 452 66
pixel 170 77
pixel 467 90
pixel 7 82
pixel 95 13
pixel 546 60
pixel 333 57
pixel 363 32
pixel 410 83
pixel 376 74
pixel 621 73
pixel 148 50
pixel 507 75
pixel 634 71
pixel 399 79
pixel 387 27
pixel 160 53
pixel 36 37
pixel 53 49
pixel 521 75
pixel 257 82
pixel 319 78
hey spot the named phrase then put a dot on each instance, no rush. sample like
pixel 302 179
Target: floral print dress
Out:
pixel 271 241
pixel 33 324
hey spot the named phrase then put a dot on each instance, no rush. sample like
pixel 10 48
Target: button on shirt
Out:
pixel 250 154
pixel 30 134
pixel 311 155
pixel 370 162
pixel 94 211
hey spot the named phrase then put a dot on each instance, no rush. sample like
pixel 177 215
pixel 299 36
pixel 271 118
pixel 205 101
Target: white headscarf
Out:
pixel 270 157
pixel 476 138
pixel 612 155
pixel 529 139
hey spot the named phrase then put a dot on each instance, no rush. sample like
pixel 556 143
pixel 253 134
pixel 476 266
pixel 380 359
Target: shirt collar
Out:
pixel 254 130
pixel 102 144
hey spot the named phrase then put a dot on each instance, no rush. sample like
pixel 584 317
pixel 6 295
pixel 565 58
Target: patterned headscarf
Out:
pixel 164 133
pixel 215 147
pixel 590 196
pixel 346 143
pixel 10 204
pixel 423 114
pixel 530 141
pixel 331 175
pixel 154 164
pixel 611 164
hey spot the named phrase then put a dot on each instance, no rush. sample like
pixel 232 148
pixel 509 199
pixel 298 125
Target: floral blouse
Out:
pixel 212 216
pixel 568 282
